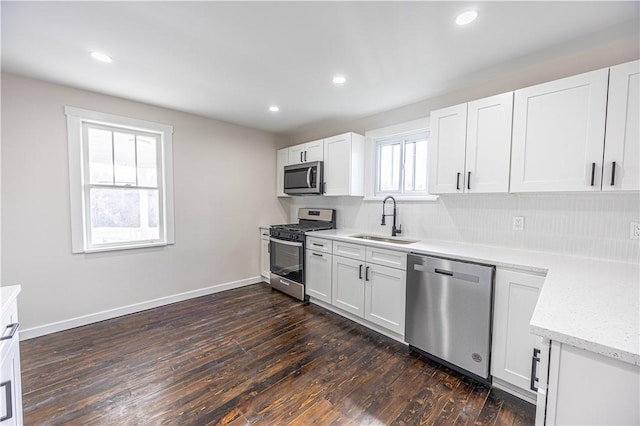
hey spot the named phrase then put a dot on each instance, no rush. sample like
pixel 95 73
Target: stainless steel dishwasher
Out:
pixel 448 313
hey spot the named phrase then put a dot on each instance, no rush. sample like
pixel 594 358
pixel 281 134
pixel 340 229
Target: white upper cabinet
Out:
pixel 470 146
pixel 622 140
pixel 488 152
pixel 344 165
pixel 306 152
pixel 281 160
pixel 558 134
pixel 447 150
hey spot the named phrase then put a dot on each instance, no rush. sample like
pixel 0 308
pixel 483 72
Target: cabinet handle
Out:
pixel 458 181
pixel 360 272
pixel 613 173
pixel 305 156
pixel 593 173
pixel 8 400
pixel 469 181
pixel 14 328
pixel 317 254
pixel 534 369
pixel 301 157
pixel 366 273
pixel 318 245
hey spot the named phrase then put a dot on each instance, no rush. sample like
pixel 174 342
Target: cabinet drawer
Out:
pixel 264 232
pixel 319 244
pixel 392 258
pixel 353 251
pixel 9 317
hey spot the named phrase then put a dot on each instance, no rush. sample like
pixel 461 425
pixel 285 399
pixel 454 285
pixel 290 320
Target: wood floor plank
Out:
pixel 245 356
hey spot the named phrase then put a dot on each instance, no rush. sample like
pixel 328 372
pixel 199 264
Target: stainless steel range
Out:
pixel 286 249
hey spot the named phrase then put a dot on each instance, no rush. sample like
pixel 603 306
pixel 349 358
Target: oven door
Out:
pixel 286 259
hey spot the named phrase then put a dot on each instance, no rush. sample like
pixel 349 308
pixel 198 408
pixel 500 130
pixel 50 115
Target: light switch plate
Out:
pixel 518 223
pixel 634 231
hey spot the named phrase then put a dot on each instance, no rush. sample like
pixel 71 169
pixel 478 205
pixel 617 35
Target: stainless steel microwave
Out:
pixel 304 179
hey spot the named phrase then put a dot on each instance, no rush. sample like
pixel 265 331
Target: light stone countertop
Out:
pixel 586 303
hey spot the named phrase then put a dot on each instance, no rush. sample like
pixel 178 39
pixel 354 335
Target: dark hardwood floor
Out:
pixel 246 356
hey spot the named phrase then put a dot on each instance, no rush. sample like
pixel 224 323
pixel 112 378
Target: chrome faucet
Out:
pixel 394 231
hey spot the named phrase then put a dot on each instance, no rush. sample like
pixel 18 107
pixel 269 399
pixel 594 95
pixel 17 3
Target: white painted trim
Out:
pixel 370 154
pixel 110 119
pixel 75 118
pixel 42 330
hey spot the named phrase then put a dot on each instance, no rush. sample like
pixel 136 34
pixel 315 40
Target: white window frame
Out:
pixel 79 184
pixel 372 137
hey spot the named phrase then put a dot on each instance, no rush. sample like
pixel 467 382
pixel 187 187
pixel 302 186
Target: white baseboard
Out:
pixel 41 330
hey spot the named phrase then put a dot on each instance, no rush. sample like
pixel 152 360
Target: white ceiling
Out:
pixel 231 60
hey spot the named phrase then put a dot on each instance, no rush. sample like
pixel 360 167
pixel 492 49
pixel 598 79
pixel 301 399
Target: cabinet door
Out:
pixel 622 142
pixel 318 275
pixel 488 151
pixel 264 258
pixel 314 151
pixel 11 383
pixel 281 161
pixel 515 298
pixel 558 134
pixel 337 165
pixel 347 292
pixel 447 150
pixel 296 154
pixel 384 297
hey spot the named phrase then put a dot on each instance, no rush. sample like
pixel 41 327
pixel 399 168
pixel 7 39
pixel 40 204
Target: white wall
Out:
pixel 588 225
pixel 224 184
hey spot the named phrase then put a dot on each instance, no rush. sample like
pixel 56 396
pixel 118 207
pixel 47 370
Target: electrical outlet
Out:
pixel 634 231
pixel 518 223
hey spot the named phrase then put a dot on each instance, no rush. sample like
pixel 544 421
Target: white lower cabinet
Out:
pixel 10 378
pixel 348 285
pixel 586 388
pixel 318 266
pixel 515 298
pixel 384 295
pixel 265 261
pixel 369 290
pixel 10 386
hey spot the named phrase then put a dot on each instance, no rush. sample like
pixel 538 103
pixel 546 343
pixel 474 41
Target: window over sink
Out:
pixel 398 162
pixel 121 177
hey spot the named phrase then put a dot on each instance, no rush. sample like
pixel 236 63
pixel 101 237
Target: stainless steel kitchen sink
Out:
pixel 391 240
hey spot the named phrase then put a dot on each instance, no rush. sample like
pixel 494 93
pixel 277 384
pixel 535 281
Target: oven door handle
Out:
pixel 286 243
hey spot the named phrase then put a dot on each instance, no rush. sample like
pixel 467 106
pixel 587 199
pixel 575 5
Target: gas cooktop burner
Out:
pixel 302 227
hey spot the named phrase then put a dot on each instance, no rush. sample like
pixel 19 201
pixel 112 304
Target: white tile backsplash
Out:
pixel 587 225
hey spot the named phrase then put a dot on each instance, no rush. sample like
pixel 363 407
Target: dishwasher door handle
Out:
pixel 432 270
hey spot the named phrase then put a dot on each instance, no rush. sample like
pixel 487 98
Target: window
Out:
pixel 120 172
pixel 401 164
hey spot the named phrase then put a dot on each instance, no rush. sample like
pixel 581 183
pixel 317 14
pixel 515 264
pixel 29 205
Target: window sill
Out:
pixel 401 199
pixel 127 247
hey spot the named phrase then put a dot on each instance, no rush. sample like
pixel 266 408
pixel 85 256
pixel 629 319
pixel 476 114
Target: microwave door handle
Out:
pixel 309 177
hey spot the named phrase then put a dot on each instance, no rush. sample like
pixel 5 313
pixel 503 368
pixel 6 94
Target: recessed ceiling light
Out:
pixel 102 57
pixel 274 108
pixel 339 79
pixel 466 17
